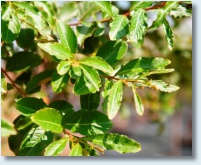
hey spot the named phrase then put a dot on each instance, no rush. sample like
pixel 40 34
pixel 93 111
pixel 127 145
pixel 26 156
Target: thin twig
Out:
pixel 13 83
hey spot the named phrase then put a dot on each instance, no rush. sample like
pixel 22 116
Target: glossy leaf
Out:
pixel 3 84
pixel 140 5
pixel 59 81
pixel 29 105
pixel 57 50
pixel 163 12
pixel 75 71
pixel 114 99
pixel 105 7
pixel 23 60
pixel 119 143
pixel 90 101
pixel 35 83
pixel 92 77
pixel 143 64
pixel 84 31
pixel 118 27
pixel 35 141
pixel 6 12
pixel 162 86
pixel 112 51
pixel 49 119
pixel 137 27
pixel 7 128
pixel 97 63
pixel 63 67
pixel 180 11
pixel 67 36
pixel 56 147
pixel 87 122
pixel 168 34
pixel 76 150
pixel 62 106
pixel 138 102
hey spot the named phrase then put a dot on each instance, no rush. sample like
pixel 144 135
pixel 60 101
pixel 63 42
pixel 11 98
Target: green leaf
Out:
pixel 119 143
pixel 138 26
pixel 23 60
pixel 63 67
pixel 92 77
pixel 6 12
pixel 114 99
pixel 86 9
pixel 168 34
pixel 35 141
pixel 143 64
pixel 140 5
pixel 35 83
pixel 181 11
pixel 76 150
pixel 75 72
pixel 3 84
pixel 10 29
pixel 57 50
pixel 87 122
pixel 56 147
pixel 26 35
pixel 105 7
pixel 67 36
pixel 59 81
pixel 84 31
pixel 112 51
pixel 162 86
pixel 118 27
pixel 138 102
pixel 29 105
pixel 7 128
pixel 62 106
pixel 163 12
pixel 49 119
pixel 97 63
pixel 90 101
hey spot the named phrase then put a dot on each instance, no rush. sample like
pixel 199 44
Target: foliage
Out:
pixel 45 39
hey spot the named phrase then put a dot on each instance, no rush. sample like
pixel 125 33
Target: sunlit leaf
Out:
pixel 168 34
pixel 76 150
pixel 7 128
pixel 138 102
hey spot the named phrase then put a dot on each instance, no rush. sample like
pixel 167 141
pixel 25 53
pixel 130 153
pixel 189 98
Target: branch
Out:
pixel 13 83
pixel 125 14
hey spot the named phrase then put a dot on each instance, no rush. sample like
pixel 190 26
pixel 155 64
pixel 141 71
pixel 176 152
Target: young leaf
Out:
pixel 34 84
pixel 56 147
pixel 23 60
pixel 7 128
pixel 90 101
pixel 114 99
pixel 35 141
pixel 162 86
pixel 180 11
pixel 84 31
pixel 143 64
pixel 62 106
pixel 49 119
pixel 168 34
pixel 112 51
pixel 163 12
pixel 76 150
pixel 67 36
pixel 140 5
pixel 97 63
pixel 63 67
pixel 105 7
pixel 92 77
pixel 59 81
pixel 57 50
pixel 119 143
pixel 138 102
pixel 87 122
pixel 118 27
pixel 29 105
pixel 137 28
pixel 75 72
